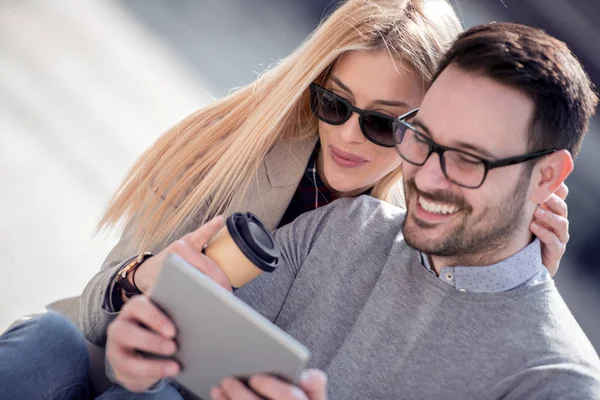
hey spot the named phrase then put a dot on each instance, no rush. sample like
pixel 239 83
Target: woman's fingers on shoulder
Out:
pixel 562 191
pixel 552 248
pixel 556 223
pixel 556 205
pixel 548 237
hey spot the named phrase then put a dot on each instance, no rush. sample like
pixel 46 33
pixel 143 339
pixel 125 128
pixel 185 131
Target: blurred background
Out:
pixel 86 86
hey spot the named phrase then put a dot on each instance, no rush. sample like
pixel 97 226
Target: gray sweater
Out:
pixel 383 327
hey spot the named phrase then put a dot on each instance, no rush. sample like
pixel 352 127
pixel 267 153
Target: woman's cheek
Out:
pixel 386 162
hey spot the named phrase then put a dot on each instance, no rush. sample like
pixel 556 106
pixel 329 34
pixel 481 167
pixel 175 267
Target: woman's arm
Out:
pixel 96 310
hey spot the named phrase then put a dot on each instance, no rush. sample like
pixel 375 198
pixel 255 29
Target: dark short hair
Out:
pixel 539 65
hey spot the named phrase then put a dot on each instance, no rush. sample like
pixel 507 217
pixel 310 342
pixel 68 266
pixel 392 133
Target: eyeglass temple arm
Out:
pixel 518 159
pixel 407 115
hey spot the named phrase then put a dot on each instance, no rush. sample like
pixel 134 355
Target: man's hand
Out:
pixel 126 337
pixel 311 386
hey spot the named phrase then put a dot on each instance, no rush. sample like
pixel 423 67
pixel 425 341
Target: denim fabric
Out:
pixel 167 392
pixel 44 358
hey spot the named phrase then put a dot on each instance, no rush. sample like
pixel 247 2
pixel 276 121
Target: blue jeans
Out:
pixel 44 358
pixel 115 392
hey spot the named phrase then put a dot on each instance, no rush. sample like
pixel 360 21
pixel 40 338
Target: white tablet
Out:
pixel 219 335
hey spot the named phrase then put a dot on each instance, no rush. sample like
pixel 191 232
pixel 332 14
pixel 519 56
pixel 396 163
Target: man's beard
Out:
pixel 475 236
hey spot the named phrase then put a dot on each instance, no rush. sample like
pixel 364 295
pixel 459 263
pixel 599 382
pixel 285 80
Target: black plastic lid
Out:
pixel 254 240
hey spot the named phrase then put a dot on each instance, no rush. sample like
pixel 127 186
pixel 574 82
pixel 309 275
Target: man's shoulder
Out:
pixel 529 345
pixel 546 330
pixel 366 209
pixel 348 223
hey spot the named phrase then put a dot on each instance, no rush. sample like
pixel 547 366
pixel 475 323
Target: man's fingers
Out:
pixel 234 389
pixel 203 263
pixel 198 239
pixel 136 373
pixel 130 335
pixel 314 382
pixel 125 336
pixel 273 388
pixel 217 393
pixel 141 309
pixel 556 205
pixel 144 368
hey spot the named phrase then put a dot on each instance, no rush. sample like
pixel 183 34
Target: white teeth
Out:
pixel 437 208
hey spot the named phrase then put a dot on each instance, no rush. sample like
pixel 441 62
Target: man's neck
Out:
pixel 483 259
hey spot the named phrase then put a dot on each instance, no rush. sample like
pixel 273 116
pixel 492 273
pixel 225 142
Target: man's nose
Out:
pixel 429 177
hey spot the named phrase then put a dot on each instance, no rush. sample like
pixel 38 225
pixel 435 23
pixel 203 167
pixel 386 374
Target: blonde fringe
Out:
pixel 208 159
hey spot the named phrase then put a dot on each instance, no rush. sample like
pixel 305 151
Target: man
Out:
pixel 451 299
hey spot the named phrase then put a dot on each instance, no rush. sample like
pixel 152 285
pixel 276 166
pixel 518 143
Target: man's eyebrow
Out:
pixel 417 122
pixel 391 103
pixel 476 149
pixel 459 145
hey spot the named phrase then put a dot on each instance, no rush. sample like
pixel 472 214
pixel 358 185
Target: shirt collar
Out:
pixel 503 276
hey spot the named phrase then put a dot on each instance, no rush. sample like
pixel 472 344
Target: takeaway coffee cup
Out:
pixel 243 249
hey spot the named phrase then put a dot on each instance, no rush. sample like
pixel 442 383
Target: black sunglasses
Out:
pixel 335 110
pixel 463 168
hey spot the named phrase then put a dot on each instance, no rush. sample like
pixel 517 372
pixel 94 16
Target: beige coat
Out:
pixel 268 196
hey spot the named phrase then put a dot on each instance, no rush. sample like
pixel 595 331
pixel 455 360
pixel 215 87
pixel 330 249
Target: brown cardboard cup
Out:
pixel 243 249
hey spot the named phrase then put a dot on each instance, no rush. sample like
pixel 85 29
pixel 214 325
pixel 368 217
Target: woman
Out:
pixel 314 128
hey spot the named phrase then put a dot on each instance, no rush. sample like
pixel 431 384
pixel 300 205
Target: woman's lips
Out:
pixel 345 159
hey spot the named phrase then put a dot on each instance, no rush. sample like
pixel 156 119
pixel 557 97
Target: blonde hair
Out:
pixel 208 159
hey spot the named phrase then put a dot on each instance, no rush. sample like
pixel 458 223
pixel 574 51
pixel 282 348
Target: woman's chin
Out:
pixel 346 190
pixel 343 184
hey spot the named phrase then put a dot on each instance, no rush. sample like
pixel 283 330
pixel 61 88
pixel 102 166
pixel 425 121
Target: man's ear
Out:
pixel 549 173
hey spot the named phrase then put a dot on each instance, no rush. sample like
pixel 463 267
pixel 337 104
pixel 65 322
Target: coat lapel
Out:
pixel 276 180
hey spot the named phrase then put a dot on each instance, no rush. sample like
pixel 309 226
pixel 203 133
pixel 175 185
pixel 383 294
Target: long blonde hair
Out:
pixel 208 159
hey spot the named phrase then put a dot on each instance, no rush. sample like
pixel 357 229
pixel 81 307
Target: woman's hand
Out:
pixel 551 226
pixel 190 249
pixel 311 386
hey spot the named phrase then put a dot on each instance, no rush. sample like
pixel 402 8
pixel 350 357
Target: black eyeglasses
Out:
pixel 335 110
pixel 464 169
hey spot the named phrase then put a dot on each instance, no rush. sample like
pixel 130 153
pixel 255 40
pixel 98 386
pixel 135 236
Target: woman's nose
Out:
pixel 350 131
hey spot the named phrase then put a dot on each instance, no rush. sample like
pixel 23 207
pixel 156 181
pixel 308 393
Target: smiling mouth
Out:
pixel 437 208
